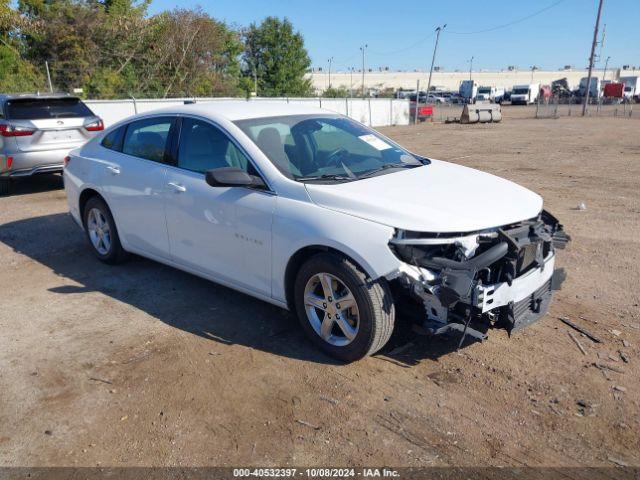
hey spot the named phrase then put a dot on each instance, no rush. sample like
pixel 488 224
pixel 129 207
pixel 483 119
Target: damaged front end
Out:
pixel 468 282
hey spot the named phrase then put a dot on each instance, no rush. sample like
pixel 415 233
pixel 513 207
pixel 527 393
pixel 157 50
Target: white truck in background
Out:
pixel 490 94
pixel 468 91
pixel 485 94
pixel 631 88
pixel 525 94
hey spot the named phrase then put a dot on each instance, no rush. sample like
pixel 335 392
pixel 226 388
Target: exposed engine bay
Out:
pixel 500 277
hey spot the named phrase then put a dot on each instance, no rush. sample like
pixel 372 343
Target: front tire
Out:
pixel 344 312
pixel 102 233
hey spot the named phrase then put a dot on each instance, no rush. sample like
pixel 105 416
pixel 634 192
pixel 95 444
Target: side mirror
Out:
pixel 231 177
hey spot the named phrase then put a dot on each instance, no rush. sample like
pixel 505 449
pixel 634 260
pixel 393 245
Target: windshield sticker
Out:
pixel 375 142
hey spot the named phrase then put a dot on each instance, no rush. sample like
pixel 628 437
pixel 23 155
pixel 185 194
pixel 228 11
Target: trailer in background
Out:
pixel 595 88
pixel 468 91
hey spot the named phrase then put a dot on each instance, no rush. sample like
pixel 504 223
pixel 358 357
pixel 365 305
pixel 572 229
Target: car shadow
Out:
pixel 187 302
pixel 35 184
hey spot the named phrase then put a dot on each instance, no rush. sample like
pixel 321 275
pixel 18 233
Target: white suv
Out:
pixel 314 212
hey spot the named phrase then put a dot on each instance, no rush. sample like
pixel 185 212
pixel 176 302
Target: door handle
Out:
pixel 114 170
pixel 177 187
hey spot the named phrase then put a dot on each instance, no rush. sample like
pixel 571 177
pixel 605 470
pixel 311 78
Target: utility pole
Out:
pixel 330 61
pixel 470 66
pixel 533 69
pixel 433 59
pixel 591 59
pixel 351 69
pixel 46 65
pixel 362 49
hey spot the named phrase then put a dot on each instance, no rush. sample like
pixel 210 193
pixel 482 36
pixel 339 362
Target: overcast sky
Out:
pixel 400 34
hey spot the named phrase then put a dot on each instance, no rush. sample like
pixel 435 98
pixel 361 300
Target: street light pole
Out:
pixel 330 60
pixel 433 59
pixel 604 74
pixel 470 66
pixel 362 49
pixel 591 59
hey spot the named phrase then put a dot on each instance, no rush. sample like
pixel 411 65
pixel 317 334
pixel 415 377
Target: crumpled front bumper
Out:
pixel 509 283
pixel 527 299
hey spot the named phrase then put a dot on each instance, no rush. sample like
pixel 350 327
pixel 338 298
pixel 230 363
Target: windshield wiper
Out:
pixel 324 176
pixel 387 166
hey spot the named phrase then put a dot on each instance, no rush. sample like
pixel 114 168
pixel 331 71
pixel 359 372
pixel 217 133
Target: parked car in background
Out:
pixel 312 211
pixel 37 132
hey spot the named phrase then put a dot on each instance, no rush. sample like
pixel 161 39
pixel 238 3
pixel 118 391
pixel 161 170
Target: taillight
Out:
pixel 8 130
pixel 67 159
pixel 9 162
pixel 95 126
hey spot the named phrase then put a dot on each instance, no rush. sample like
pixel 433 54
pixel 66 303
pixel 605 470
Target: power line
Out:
pixel 505 25
pixel 424 39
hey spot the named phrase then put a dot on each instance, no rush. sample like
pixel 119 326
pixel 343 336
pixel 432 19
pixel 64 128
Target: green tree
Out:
pixel 336 92
pixel 191 54
pixel 276 55
pixel 65 37
pixel 16 74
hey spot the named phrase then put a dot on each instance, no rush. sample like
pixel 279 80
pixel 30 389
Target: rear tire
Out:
pixel 5 186
pixel 101 232
pixel 370 319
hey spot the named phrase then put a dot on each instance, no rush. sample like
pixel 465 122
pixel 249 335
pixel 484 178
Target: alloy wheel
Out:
pixel 99 231
pixel 331 309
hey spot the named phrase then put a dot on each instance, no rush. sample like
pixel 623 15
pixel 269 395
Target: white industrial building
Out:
pixel 443 80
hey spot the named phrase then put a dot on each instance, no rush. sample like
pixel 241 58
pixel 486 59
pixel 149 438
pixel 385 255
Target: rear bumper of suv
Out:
pixel 24 164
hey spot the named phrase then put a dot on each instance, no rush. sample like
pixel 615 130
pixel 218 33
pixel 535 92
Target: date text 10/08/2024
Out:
pixel 316 472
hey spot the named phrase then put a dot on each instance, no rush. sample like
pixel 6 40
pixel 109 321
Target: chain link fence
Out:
pixel 559 107
pixel 553 108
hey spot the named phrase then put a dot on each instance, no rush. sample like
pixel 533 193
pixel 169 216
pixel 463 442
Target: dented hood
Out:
pixel 441 197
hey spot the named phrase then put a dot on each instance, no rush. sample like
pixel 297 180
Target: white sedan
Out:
pixel 319 214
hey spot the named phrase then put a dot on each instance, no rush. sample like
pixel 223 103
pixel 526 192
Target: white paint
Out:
pixel 440 198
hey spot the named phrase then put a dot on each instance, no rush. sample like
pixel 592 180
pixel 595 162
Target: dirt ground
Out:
pixel 141 364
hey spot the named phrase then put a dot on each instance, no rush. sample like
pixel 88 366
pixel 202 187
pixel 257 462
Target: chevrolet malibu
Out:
pixel 318 214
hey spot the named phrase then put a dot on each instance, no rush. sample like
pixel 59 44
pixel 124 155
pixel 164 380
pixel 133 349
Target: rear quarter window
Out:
pixel 113 140
pixel 44 108
pixel 147 138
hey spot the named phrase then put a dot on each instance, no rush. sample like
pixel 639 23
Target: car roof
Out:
pixel 13 96
pixel 241 109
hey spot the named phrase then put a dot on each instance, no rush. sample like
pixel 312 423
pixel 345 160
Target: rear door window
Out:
pixel 45 108
pixel 204 147
pixel 148 138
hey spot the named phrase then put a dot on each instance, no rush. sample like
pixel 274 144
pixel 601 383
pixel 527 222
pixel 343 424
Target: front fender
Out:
pixel 298 225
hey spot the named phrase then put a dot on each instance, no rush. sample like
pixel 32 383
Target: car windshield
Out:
pixel 326 148
pixel 484 90
pixel 43 108
pixel 520 91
